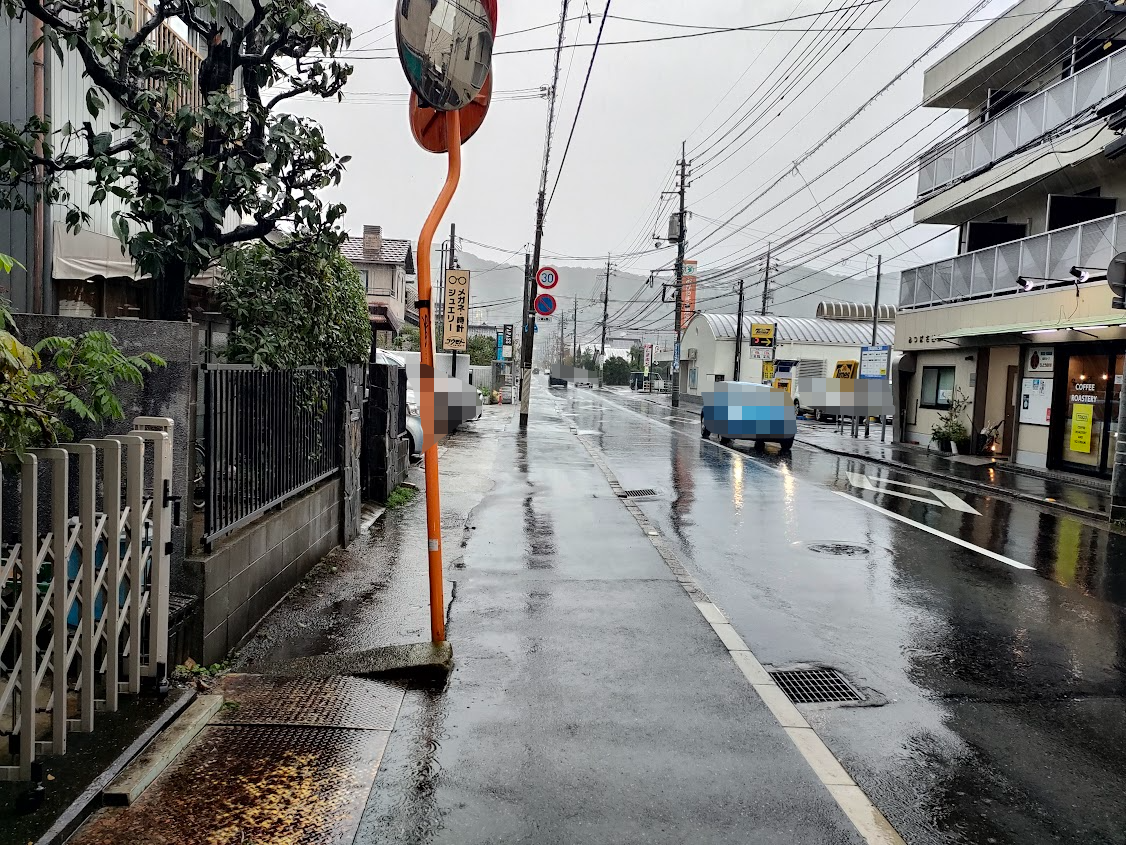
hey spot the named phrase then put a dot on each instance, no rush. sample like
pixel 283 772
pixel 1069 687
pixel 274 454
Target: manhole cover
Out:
pixel 839 549
pixel 814 686
pixel 639 494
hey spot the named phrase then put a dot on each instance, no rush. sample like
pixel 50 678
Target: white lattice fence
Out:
pixel 84 602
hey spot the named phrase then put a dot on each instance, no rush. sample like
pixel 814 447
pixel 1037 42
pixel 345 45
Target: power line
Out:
pixel 582 99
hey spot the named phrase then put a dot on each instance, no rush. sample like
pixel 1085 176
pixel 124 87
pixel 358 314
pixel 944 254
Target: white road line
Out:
pixel 869 822
pixel 956 540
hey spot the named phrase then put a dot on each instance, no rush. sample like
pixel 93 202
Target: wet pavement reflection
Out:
pixel 1005 718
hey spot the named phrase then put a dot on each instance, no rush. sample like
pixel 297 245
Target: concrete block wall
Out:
pixel 250 572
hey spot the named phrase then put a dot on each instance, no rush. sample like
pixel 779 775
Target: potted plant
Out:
pixel 951 429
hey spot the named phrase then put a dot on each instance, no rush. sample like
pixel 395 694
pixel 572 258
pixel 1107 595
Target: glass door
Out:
pixel 1084 426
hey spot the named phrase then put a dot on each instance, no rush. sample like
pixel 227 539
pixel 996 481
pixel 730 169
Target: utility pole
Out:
pixel 605 320
pixel 575 337
pixel 453 266
pixel 529 311
pixel 682 236
pixel 739 335
pixel 766 284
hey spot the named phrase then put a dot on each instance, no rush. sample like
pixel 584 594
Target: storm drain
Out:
pixel 815 686
pixel 839 549
pixel 638 494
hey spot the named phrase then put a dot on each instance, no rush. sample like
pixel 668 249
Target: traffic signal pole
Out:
pixel 541 202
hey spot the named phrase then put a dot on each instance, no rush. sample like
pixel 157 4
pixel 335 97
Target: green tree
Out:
pixel 188 152
pixel 482 351
pixel 636 357
pixel 408 340
pixel 296 303
pixel 615 371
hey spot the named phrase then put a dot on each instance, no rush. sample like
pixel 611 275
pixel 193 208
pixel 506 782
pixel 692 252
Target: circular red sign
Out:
pixel 545 305
pixel 547 277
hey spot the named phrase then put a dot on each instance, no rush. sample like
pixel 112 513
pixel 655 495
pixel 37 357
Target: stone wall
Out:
pixel 386 449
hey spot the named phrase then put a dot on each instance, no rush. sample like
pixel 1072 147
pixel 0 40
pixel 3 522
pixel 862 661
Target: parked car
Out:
pixel 414 422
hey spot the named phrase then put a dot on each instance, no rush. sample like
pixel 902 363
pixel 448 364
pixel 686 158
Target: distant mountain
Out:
pixel 497 290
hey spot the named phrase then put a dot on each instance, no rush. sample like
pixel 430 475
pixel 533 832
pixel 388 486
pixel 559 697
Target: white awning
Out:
pixel 90 255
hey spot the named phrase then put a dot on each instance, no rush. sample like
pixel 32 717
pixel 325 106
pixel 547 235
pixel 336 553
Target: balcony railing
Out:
pixel 993 271
pixel 1026 121
pixel 167 40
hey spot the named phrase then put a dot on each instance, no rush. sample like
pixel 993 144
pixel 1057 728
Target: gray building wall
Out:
pixel 17 233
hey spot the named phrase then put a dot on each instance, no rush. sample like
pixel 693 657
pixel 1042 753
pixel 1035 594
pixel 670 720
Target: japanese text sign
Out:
pixel 456 311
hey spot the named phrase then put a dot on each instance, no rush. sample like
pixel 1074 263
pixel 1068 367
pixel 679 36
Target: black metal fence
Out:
pixel 268 435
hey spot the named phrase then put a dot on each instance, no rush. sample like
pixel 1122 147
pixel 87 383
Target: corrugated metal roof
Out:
pixel 803 329
pixel 391 252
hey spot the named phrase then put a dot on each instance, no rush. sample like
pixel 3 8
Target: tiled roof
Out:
pixel 804 329
pixel 391 252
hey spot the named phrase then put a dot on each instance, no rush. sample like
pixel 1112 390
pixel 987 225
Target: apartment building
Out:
pixel 1019 321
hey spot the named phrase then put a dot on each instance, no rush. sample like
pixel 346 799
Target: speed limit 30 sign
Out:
pixel 547 277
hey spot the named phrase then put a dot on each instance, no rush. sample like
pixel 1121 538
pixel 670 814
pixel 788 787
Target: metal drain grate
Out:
pixel 814 686
pixel 839 549
pixel 639 494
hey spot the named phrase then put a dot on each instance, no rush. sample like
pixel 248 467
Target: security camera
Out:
pixel 1025 284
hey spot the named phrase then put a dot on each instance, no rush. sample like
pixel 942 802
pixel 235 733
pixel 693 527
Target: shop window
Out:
pixel 1088 381
pixel 938 387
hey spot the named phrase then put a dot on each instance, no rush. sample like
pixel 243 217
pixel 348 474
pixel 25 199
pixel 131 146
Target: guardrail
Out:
pixel 84 602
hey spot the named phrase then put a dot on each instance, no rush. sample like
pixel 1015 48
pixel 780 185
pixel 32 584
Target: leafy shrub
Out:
pixel 60 379
pixel 298 303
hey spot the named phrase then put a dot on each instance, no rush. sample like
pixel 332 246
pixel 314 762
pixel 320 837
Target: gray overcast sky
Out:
pixel 643 100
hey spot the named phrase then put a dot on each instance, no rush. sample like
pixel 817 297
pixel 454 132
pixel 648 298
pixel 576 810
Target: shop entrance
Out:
pixel 1085 439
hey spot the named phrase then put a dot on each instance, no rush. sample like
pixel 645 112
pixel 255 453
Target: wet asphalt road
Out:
pixel 1005 716
pixel 590 701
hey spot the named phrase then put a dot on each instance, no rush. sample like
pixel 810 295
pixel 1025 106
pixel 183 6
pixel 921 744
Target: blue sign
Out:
pixel 500 346
pixel 676 358
pixel 545 305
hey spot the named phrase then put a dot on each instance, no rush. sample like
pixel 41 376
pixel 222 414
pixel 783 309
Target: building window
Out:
pixel 364 279
pixel 938 387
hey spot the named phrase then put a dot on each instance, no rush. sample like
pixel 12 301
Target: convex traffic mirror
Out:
pixel 446 47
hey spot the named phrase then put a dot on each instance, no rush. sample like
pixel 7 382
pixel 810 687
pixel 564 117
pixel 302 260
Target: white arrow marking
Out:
pixel 941 498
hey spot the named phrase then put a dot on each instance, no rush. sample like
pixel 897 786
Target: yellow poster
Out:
pixel 1082 421
pixel 767 372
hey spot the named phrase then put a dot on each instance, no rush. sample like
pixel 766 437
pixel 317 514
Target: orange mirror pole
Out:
pixel 426 336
